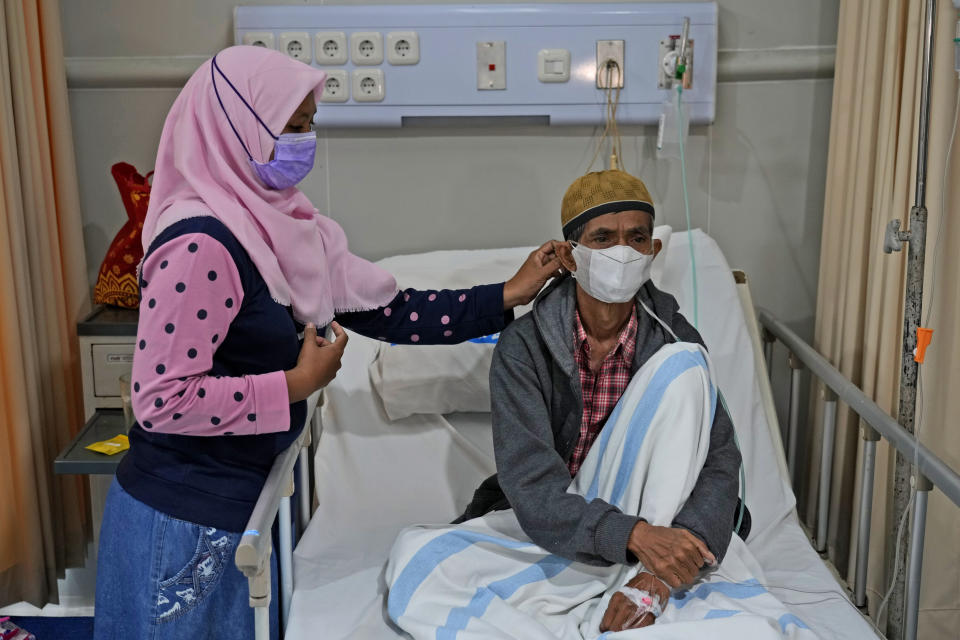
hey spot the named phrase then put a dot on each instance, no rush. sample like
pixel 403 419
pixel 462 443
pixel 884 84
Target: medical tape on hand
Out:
pixel 644 601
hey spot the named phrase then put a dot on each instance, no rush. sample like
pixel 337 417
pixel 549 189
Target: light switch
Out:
pixel 491 65
pixel 553 65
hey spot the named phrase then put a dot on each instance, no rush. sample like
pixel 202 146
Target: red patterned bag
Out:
pixel 117 281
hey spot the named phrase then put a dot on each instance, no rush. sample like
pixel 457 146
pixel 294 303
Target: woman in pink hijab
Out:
pixel 237 262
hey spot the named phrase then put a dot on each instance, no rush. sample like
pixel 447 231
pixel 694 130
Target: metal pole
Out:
pixel 826 466
pixel 261 623
pixel 866 508
pixel 794 428
pixel 286 558
pixel 305 493
pixel 916 238
pixel 916 558
pixel 259 590
pixel 768 340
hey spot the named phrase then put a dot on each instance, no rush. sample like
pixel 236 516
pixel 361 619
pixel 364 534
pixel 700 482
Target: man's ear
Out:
pixel 657 246
pixel 565 253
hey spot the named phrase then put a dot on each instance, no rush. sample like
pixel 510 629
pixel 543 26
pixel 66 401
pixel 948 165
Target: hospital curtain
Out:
pixel 870 181
pixel 43 291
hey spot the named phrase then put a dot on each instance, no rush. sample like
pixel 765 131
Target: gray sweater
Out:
pixel 537 409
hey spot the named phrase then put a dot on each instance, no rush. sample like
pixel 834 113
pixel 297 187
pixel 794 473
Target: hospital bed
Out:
pixel 374 475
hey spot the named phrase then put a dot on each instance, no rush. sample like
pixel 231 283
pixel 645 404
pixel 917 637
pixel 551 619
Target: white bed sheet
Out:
pixel 375 477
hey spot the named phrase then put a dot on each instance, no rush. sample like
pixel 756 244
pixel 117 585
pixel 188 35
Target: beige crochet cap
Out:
pixel 601 192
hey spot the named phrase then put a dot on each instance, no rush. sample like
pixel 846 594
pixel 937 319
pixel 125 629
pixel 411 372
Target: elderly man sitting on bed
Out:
pixel 618 471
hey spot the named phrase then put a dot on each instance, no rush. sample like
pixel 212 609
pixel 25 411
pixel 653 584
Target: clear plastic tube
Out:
pixel 696 296
pixel 956 49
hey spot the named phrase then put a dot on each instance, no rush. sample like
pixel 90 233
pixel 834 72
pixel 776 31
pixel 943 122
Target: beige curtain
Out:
pixel 870 181
pixel 43 292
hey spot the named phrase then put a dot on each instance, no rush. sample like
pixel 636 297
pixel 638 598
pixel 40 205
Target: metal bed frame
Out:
pixel 275 505
pixel 256 545
pixel 876 423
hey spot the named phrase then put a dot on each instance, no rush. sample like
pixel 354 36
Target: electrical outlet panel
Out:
pixel 550 61
pixel 330 47
pixel 366 48
pixel 259 39
pixel 368 85
pixel 403 47
pixel 296 45
pixel 336 88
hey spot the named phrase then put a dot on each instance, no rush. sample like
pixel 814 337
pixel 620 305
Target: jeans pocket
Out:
pixel 195 580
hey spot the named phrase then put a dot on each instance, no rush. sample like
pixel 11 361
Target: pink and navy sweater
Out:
pixel 209 391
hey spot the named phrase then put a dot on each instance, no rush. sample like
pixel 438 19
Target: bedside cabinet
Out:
pixel 107 340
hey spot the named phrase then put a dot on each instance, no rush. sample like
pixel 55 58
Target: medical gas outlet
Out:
pixel 669 59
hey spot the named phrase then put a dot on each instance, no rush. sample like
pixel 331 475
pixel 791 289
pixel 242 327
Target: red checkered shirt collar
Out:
pixel 626 343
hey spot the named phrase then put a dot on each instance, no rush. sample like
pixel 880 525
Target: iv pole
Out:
pixel 916 238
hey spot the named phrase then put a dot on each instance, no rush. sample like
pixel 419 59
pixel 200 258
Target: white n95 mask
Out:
pixel 614 274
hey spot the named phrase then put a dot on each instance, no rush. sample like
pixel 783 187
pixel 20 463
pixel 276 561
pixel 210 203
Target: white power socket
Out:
pixel 368 85
pixel 296 45
pixel 336 88
pixel 330 47
pixel 366 48
pixel 259 39
pixel 403 47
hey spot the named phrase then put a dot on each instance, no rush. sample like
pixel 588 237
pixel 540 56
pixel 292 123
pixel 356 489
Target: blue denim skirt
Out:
pixel 160 577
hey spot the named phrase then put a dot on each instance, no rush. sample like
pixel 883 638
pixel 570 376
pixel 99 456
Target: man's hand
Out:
pixel 539 267
pixel 672 554
pixel 621 611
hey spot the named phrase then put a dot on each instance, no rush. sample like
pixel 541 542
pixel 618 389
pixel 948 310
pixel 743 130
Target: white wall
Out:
pixel 756 175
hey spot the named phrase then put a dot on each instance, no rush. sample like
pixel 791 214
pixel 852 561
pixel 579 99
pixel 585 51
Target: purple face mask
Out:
pixel 293 156
pixel 293 153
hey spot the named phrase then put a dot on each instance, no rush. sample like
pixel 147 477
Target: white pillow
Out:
pixel 433 379
pixel 449 378
pixel 661 233
pixel 442 378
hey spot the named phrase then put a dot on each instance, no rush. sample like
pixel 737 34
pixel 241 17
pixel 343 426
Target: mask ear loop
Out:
pixel 213 79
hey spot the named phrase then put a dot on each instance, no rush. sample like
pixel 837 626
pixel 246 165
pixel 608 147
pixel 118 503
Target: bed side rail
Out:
pixel 875 424
pixel 252 557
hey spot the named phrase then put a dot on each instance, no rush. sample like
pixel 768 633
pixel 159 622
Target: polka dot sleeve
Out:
pixel 445 316
pixel 191 292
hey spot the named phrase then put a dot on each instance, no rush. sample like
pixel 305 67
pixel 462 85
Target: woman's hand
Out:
pixel 621 613
pixel 317 364
pixel 542 265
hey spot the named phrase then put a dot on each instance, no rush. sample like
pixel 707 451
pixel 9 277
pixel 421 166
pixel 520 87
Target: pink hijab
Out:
pixel 202 170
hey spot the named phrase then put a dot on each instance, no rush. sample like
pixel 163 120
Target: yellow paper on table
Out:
pixel 111 446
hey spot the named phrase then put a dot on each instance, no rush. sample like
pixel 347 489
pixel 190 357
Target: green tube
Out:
pixel 696 298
